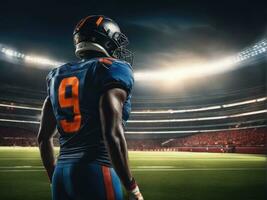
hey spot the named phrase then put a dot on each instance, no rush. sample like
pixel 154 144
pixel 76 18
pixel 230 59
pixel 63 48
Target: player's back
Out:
pixel 75 90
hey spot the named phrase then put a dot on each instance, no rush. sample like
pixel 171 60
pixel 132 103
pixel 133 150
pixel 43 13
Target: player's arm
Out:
pixel 45 137
pixel 111 105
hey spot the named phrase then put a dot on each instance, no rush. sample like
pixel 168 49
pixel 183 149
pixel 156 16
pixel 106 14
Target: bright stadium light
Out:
pixel 200 70
pixel 41 61
pixel 193 71
pixel 171 74
pixel 29 59
pixel 12 53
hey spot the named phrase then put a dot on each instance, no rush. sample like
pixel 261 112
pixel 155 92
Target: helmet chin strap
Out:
pixel 82 47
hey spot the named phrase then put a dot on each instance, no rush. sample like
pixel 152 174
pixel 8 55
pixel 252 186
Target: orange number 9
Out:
pixel 73 101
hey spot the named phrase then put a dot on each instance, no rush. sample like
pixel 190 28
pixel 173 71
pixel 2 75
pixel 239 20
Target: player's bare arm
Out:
pixel 111 105
pixel 45 137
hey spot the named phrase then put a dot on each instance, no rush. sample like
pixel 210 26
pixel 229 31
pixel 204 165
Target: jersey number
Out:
pixel 72 101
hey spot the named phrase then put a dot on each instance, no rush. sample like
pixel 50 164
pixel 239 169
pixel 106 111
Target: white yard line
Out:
pixel 21 170
pixel 18 167
pixel 155 167
pixel 199 169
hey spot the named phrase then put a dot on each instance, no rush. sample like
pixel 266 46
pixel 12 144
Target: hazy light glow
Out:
pixel 41 61
pixel 12 53
pixel 202 69
pixel 193 71
pixel 172 74
pixel 29 59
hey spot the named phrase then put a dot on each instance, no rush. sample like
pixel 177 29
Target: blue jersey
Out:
pixel 74 90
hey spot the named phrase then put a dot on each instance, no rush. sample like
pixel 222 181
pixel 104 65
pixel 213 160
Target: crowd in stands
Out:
pixel 242 141
pixel 246 137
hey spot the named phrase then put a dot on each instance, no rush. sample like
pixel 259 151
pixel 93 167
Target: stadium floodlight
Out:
pixel 172 74
pixel 41 60
pixel 200 70
pixel 36 60
pixel 12 53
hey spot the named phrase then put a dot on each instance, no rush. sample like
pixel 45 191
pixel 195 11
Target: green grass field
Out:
pixel 161 175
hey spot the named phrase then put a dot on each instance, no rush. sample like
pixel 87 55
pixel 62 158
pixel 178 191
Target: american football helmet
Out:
pixel 101 34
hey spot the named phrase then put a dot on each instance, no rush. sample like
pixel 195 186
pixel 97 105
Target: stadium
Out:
pixel 197 130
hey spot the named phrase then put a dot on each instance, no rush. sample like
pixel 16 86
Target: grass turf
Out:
pixel 161 175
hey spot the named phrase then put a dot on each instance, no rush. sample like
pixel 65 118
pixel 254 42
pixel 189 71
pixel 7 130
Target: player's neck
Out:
pixel 93 54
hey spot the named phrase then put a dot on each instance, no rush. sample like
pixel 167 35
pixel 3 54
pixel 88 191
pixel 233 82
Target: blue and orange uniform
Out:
pixel 84 169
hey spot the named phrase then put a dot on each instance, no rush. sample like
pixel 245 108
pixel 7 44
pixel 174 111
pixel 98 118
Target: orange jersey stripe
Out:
pixel 108 183
pixel 107 61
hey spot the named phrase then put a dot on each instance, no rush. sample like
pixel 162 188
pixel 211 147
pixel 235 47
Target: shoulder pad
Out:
pixel 54 71
pixel 123 63
pixel 106 61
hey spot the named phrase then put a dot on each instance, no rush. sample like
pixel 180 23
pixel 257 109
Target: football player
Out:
pixel 88 103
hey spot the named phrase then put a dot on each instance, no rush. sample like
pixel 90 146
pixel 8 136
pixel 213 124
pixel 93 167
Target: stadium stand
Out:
pixel 225 120
pixel 232 141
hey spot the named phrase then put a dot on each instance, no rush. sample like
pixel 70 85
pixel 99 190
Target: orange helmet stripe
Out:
pixel 80 24
pixel 99 20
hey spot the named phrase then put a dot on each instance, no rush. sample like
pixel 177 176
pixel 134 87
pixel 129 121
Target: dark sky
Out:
pixel 159 31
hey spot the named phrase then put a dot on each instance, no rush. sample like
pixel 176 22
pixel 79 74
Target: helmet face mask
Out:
pixel 101 34
pixel 123 54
